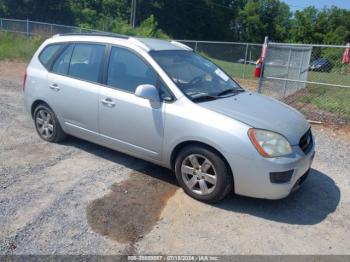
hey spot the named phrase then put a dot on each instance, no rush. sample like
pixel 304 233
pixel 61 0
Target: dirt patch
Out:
pixel 314 113
pixel 341 131
pixel 250 84
pixel 12 68
pixel 134 206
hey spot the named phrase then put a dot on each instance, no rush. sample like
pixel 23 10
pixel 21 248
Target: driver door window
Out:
pixel 126 71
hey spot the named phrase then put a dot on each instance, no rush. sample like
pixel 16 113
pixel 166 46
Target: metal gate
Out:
pixel 285 69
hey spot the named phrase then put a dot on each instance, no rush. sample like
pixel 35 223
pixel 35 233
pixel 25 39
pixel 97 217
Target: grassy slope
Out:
pixel 17 47
pixel 328 98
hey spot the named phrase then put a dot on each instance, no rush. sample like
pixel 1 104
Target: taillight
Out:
pixel 24 79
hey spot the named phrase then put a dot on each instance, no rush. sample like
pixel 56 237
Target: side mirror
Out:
pixel 149 92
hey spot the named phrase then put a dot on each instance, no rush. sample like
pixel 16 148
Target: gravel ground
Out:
pixel 80 198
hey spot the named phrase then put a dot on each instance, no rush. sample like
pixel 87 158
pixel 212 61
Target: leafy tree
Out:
pixel 327 26
pixel 99 14
pixel 260 18
pixel 51 11
pixel 196 19
pixel 148 28
pixel 223 20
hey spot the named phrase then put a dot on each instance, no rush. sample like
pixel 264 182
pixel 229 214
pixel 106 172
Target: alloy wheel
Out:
pixel 44 123
pixel 199 174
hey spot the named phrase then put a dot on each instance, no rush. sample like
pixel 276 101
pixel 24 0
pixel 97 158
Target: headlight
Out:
pixel 268 143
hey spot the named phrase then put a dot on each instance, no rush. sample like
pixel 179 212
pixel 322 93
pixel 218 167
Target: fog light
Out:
pixel 281 177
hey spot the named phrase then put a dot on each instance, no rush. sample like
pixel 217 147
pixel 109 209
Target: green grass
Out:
pixel 330 98
pixel 18 47
pixel 236 70
pixel 327 98
pixel 330 78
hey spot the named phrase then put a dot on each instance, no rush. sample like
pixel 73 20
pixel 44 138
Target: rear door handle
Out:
pixel 54 87
pixel 108 102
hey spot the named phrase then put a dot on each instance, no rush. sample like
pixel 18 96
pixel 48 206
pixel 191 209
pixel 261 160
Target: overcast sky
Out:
pixel 299 4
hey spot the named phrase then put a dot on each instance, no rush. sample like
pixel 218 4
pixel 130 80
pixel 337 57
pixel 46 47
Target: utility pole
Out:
pixel 133 13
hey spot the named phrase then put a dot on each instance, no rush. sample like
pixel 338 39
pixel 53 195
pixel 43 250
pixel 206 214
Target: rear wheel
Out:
pixel 47 125
pixel 203 174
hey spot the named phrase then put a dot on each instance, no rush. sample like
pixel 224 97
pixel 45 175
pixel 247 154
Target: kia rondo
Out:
pixel 162 102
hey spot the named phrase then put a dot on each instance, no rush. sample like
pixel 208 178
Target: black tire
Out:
pixel 56 134
pixel 224 177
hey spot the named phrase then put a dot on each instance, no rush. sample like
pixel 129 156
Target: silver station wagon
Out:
pixel 160 101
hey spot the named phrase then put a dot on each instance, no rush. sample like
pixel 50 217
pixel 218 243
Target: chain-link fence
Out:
pixel 32 28
pixel 312 78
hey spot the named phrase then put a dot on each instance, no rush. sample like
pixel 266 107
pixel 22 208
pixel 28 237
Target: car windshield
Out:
pixel 198 78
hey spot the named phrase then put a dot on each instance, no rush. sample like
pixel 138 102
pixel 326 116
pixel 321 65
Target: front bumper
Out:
pixel 252 176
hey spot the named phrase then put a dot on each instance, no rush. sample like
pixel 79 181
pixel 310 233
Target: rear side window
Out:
pixel 86 61
pixel 126 70
pixel 48 53
pixel 61 64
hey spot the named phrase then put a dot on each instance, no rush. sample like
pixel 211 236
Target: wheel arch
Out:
pixel 35 104
pixel 177 149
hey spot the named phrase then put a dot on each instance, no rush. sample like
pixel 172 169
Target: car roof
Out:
pixel 159 44
pixel 148 44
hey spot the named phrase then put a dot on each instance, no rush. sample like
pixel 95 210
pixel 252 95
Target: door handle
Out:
pixel 54 87
pixel 108 102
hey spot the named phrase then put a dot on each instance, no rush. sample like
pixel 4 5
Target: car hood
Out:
pixel 262 112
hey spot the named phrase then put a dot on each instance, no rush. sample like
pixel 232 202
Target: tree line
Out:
pixel 221 20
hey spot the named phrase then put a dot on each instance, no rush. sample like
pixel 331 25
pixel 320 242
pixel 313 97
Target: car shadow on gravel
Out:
pixel 135 164
pixel 318 197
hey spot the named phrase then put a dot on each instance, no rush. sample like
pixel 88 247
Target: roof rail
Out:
pixel 95 34
pixel 181 45
pixel 139 43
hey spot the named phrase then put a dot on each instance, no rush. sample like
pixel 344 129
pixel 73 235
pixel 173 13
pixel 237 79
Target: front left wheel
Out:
pixel 47 125
pixel 203 174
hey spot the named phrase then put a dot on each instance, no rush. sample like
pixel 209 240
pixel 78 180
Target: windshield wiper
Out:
pixel 203 98
pixel 207 97
pixel 233 91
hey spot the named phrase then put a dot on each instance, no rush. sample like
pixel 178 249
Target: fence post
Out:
pixel 245 60
pixel 300 67
pixel 196 46
pixel 263 55
pixel 27 27
pixel 1 26
pixel 288 67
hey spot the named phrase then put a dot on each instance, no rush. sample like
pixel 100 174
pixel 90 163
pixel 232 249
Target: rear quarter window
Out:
pixel 48 53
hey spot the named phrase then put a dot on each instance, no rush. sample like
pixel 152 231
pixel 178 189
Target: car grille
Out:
pixel 306 142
